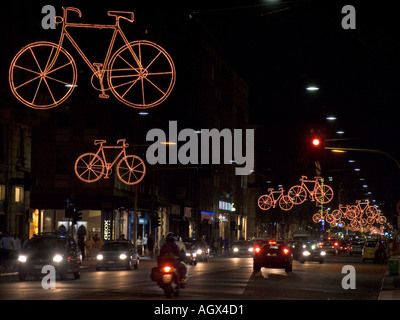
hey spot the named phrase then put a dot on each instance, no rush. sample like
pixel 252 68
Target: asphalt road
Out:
pixel 221 278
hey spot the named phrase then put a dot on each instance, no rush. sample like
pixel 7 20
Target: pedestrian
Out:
pixel 139 245
pixel 150 245
pixel 81 245
pixel 145 238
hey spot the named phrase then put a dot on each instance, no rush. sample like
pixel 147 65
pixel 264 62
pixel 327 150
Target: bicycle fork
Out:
pixel 100 76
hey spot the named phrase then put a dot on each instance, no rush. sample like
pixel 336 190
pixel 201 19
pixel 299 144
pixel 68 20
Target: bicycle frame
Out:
pixel 304 185
pixel 101 154
pixel 271 194
pixel 99 73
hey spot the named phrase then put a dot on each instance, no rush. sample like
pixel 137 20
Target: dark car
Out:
pixel 201 247
pixel 55 249
pixel 117 254
pixel 272 254
pixel 310 251
pixel 242 248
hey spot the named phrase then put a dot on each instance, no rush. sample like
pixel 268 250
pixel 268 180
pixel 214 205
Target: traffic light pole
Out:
pixel 367 150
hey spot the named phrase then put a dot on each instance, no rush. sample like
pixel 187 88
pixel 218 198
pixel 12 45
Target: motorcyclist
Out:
pixel 171 248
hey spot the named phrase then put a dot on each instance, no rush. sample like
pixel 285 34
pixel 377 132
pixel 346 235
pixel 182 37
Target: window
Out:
pixel 19 194
pixel 2 192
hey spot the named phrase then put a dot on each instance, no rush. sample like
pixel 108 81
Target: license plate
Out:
pixel 111 261
pixel 37 267
pixel 167 278
pixel 271 254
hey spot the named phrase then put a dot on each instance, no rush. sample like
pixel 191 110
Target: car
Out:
pixel 242 248
pixel 56 249
pixel 356 247
pixel 190 253
pixel 330 246
pixel 311 252
pixel 201 247
pixel 272 254
pixel 368 251
pixel 117 254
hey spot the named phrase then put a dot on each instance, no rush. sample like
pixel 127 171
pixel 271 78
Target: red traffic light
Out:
pixel 316 142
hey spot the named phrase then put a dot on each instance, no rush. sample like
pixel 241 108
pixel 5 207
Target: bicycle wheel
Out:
pixel 337 214
pixel 297 194
pixel 323 194
pixel 89 167
pixel 317 217
pixel 265 202
pixel 285 203
pixel 42 75
pixel 371 211
pixel 131 169
pixel 141 74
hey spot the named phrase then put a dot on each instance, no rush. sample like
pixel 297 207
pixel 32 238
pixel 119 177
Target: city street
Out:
pixel 218 279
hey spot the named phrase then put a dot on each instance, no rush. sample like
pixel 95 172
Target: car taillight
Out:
pixel 271 242
pixel 257 249
pixel 285 250
pixel 336 244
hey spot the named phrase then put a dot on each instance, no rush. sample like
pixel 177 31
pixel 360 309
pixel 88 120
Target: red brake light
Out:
pixel 271 242
pixel 336 244
pixel 167 268
pixel 257 249
pixel 285 250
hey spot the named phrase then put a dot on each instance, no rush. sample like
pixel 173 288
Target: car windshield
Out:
pixel 44 243
pixel 116 246
pixel 241 243
pixel 370 244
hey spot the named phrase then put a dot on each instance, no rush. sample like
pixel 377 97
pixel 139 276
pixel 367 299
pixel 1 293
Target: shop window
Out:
pixel 19 194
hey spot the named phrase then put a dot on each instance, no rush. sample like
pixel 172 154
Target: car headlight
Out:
pixel 57 258
pixel 122 256
pixel 251 249
pixel 187 254
pixel 22 258
pixel 235 249
pixel 322 253
pixel 199 251
pixel 306 253
pixel 99 257
pixel 194 254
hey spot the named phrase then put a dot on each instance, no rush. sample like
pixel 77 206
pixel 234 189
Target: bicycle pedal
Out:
pixel 104 96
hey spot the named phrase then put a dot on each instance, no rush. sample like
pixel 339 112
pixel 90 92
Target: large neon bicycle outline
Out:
pixel 320 193
pixel 268 201
pixel 136 71
pixel 90 167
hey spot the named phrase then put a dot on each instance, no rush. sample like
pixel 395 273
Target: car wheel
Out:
pixel 21 276
pixel 77 275
pixel 289 268
pixel 301 260
pixel 129 265
pixel 136 266
pixel 321 261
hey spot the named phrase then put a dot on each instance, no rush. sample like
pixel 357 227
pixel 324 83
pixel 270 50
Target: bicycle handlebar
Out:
pixel 123 142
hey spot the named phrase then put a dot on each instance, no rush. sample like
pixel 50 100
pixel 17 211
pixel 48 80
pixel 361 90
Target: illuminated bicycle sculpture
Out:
pixel 140 74
pixel 268 201
pixel 90 167
pixel 321 193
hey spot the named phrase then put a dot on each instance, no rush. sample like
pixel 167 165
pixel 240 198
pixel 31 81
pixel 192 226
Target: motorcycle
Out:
pixel 167 276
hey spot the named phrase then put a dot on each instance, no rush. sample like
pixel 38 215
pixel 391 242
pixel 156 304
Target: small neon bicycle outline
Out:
pixel 268 201
pixel 320 193
pixel 132 75
pixel 90 167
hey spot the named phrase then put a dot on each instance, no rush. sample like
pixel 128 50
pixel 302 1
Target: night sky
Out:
pixel 279 48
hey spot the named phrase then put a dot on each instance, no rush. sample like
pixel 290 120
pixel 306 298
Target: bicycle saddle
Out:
pixel 99 141
pixel 122 14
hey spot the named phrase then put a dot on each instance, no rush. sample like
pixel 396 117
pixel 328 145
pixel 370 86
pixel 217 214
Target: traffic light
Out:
pixel 77 216
pixel 317 148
